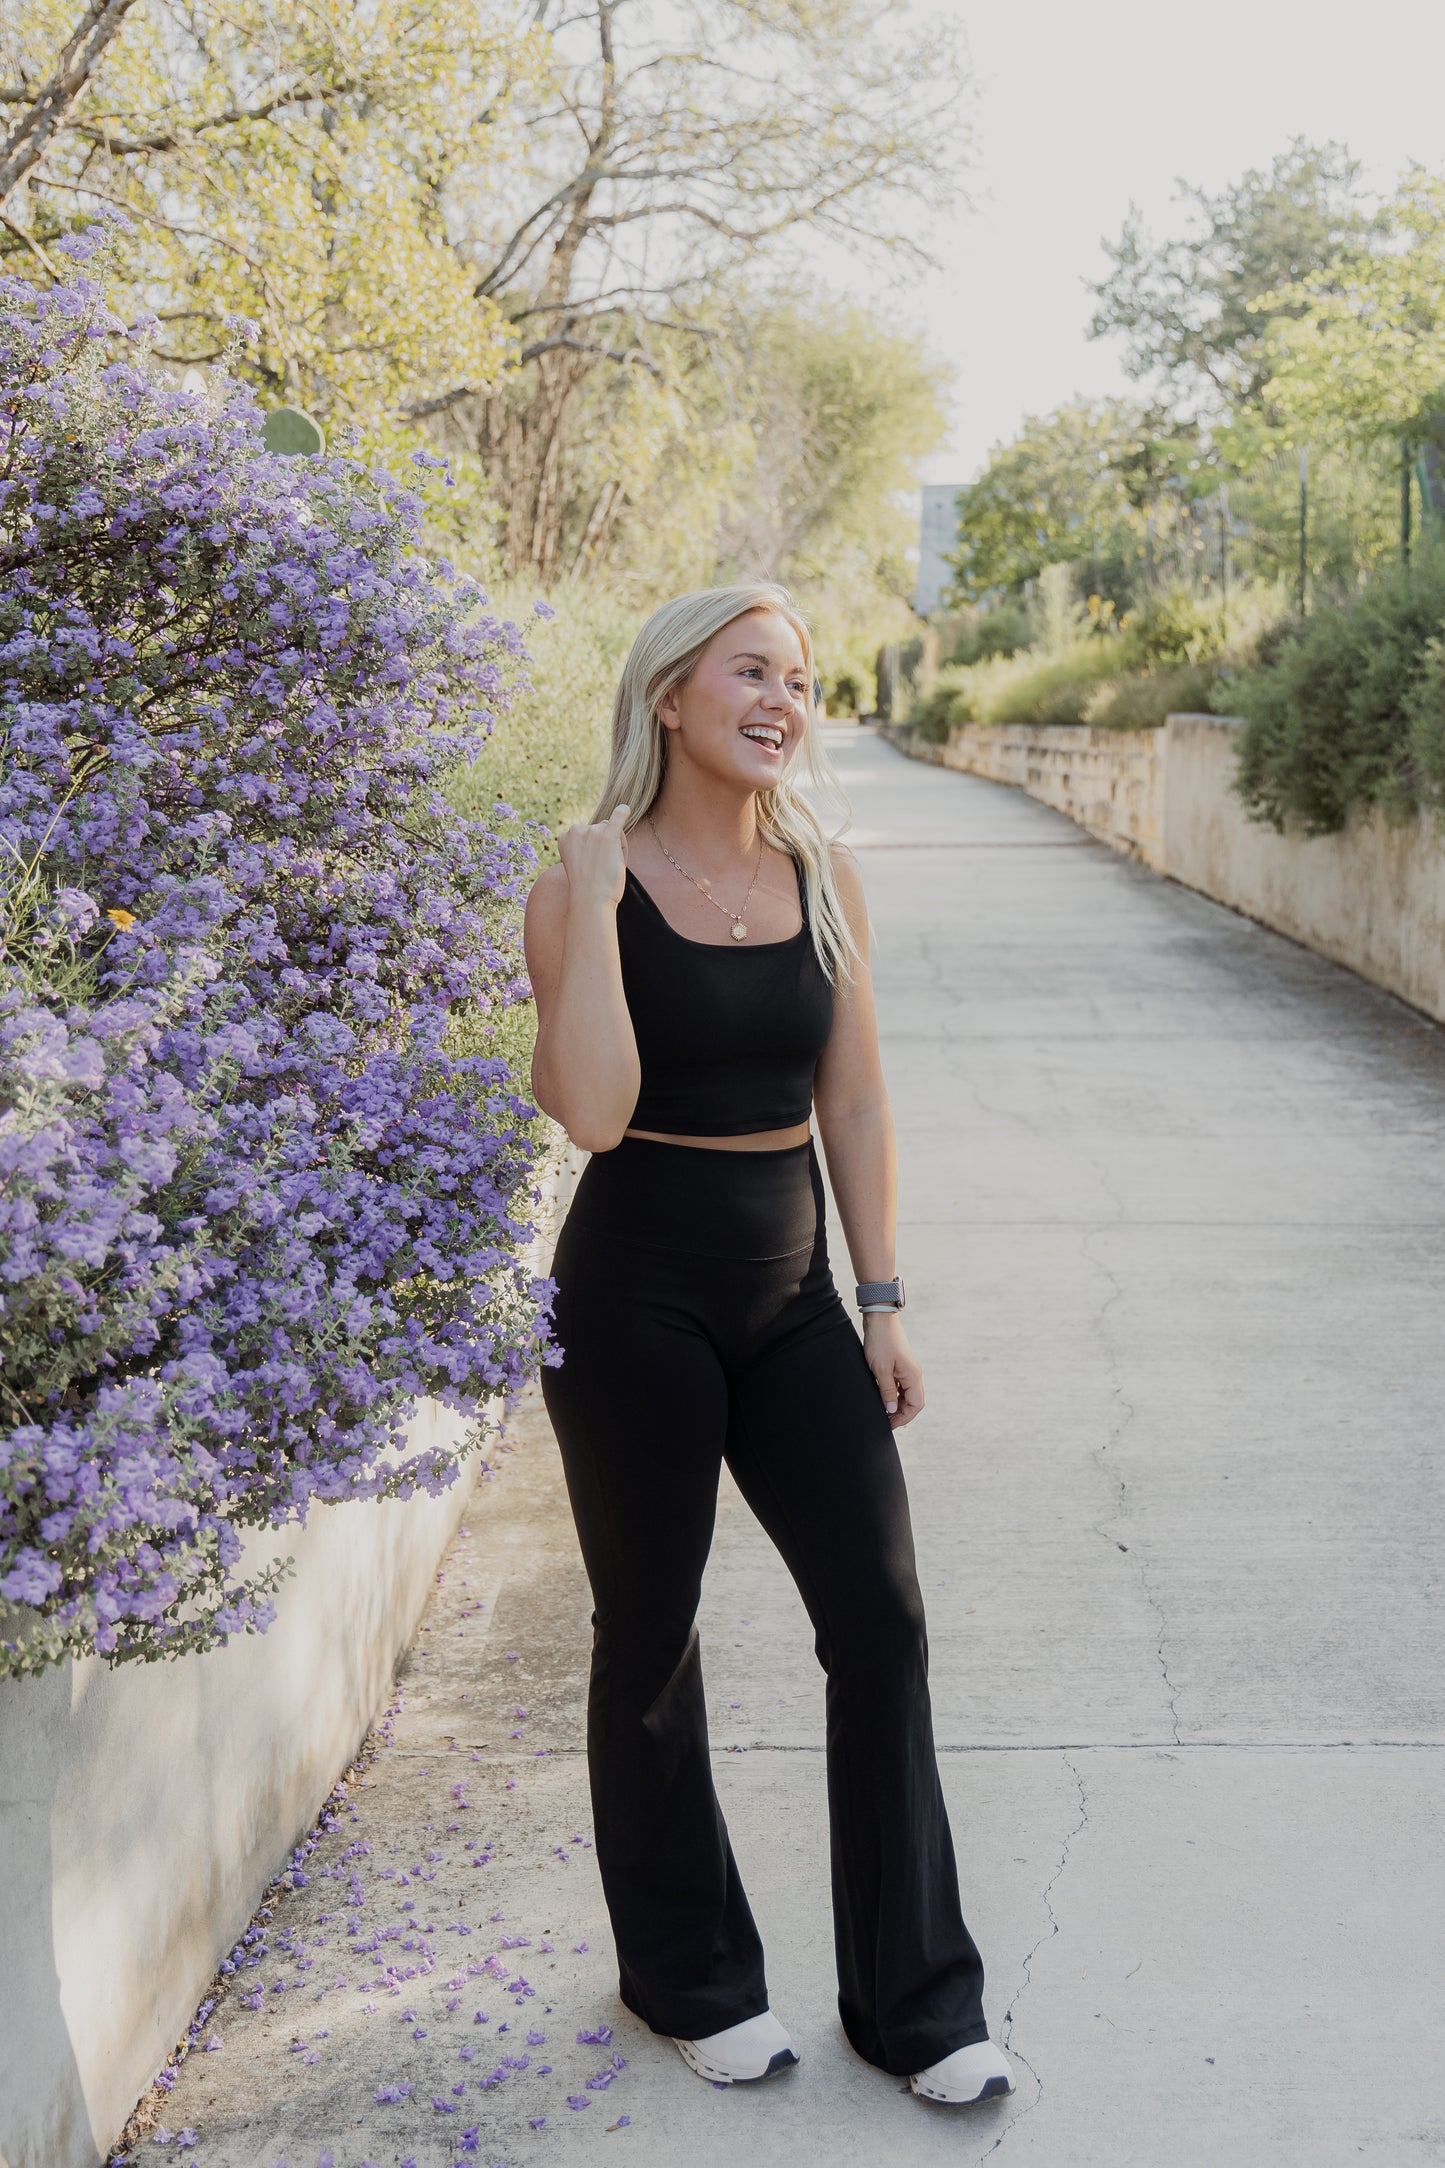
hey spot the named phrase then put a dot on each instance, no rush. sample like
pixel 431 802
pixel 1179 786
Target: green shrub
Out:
pixel 998 632
pixel 1025 688
pixel 1171 626
pixel 1425 711
pixel 1347 711
pixel 844 693
pixel 545 760
pixel 936 713
pixel 1147 698
pixel 1167 658
pixel 547 756
pixel 1054 688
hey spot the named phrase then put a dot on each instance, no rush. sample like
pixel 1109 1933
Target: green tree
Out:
pixel 300 163
pixel 1357 350
pixel 675 150
pixel 1187 307
pixel 839 412
pixel 790 451
pixel 1074 485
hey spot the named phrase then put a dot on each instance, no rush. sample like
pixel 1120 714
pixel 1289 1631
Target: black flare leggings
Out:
pixel 699 1323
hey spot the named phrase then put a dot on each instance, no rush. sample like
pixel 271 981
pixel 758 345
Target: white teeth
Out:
pixel 765 736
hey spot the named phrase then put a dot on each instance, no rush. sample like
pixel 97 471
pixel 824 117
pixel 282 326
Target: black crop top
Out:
pixel 729 1035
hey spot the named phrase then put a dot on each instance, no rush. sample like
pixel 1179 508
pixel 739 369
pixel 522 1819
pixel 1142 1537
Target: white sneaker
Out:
pixel 742 2054
pixel 979 2072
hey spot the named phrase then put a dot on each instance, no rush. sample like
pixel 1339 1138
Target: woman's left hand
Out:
pixel 894 1366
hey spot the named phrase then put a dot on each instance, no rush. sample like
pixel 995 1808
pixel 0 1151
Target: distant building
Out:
pixel 937 537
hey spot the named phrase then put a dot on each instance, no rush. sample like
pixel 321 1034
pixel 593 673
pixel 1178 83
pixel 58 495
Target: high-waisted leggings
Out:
pixel 699 1323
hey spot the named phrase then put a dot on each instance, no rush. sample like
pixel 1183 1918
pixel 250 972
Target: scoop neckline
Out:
pixel 736 948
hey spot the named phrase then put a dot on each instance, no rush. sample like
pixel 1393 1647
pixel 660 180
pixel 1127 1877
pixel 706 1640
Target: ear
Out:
pixel 667 713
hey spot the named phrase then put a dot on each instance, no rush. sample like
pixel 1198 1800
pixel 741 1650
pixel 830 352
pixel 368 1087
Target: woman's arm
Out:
pixel 855 1122
pixel 585 1070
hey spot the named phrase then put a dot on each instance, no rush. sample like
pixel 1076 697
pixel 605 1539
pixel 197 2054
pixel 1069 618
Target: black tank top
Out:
pixel 729 1034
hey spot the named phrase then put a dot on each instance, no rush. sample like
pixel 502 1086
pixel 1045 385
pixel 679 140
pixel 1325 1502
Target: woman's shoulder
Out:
pixel 550 882
pixel 547 900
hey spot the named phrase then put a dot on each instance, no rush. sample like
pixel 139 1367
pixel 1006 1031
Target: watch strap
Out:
pixel 879 1294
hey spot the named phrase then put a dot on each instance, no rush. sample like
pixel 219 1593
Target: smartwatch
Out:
pixel 879 1295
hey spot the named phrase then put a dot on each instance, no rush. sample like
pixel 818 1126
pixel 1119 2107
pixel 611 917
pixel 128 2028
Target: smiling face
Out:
pixel 740 716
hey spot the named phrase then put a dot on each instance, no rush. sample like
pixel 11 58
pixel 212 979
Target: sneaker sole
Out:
pixel 993 2089
pixel 783 2060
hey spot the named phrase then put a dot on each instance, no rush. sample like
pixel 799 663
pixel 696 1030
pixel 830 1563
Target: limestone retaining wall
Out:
pixel 1109 781
pixel 1372 897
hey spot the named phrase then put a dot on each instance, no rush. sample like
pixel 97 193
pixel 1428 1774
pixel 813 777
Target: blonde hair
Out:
pixel 665 654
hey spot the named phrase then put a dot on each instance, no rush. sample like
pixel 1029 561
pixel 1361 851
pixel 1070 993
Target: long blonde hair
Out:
pixel 663 656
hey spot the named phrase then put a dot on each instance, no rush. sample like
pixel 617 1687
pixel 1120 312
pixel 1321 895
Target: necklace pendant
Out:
pixel 740 931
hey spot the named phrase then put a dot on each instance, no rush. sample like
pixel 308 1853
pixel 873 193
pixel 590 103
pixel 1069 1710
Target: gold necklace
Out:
pixel 739 926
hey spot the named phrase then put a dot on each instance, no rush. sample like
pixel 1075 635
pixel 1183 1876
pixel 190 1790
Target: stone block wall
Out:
pixel 1372 898
pixel 1109 781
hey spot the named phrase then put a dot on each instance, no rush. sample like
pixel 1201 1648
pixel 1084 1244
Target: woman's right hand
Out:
pixel 594 854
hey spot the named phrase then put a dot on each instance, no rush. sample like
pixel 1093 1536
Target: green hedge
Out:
pixel 1079 686
pixel 1349 709
pixel 1164 657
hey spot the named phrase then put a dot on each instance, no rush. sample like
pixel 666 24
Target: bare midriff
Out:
pixel 761 1140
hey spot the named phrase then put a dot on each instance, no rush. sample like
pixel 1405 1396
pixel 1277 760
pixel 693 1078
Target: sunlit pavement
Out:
pixel 1173 1206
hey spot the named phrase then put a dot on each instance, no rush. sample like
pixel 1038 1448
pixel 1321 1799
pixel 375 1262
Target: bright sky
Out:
pixel 1081 108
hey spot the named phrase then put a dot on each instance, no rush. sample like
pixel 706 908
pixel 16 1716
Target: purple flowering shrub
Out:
pixel 258 1196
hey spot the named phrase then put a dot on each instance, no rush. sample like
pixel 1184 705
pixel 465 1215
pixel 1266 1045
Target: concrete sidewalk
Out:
pixel 1173 1209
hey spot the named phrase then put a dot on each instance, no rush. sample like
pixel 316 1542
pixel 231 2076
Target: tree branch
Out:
pixel 30 138
pixel 230 116
pixel 562 343
pixel 14 226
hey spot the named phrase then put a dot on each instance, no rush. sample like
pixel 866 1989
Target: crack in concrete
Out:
pixel 1127 1413
pixel 1032 1125
pixel 1006 2039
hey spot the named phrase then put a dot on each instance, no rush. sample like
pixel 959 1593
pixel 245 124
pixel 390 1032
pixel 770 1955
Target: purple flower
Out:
pixel 260 1199
pixel 577 2101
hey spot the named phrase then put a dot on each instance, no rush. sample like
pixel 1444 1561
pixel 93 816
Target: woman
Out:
pixel 699 960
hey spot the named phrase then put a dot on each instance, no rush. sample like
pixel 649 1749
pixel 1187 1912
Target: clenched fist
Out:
pixel 594 857
pixel 594 854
